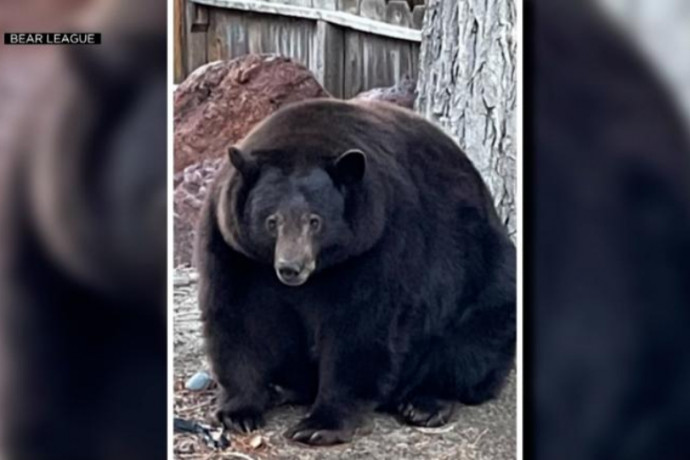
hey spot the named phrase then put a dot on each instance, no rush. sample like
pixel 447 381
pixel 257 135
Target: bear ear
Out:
pixel 239 161
pixel 350 166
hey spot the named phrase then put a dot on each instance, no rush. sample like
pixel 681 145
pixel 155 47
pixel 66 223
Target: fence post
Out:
pixel 180 47
pixel 329 46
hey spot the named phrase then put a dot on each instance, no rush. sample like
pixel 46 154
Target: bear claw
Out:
pixel 426 412
pixel 304 433
pixel 244 421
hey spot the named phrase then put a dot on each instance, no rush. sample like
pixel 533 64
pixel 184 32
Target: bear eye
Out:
pixel 272 223
pixel 315 223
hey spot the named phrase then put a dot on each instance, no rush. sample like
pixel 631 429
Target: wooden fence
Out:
pixel 350 45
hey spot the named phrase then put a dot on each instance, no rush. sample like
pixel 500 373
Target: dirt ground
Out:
pixel 486 432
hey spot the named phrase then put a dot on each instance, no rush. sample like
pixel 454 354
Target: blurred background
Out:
pixel 606 213
pixel 661 32
pixel 83 233
pixel 607 229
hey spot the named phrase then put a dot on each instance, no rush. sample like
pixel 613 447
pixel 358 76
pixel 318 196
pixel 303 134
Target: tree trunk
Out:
pixel 467 85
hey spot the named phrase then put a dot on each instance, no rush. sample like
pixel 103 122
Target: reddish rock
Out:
pixel 221 101
pixel 402 93
pixel 216 106
pixel 191 186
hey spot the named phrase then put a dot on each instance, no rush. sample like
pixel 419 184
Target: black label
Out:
pixel 52 38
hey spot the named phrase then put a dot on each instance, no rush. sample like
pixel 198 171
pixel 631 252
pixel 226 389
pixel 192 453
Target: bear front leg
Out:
pixel 241 372
pixel 353 381
pixel 244 396
pixel 252 341
pixel 231 326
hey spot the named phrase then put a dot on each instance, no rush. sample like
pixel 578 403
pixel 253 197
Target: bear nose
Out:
pixel 289 270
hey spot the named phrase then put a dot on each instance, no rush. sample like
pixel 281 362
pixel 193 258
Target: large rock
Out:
pixel 191 186
pixel 402 93
pixel 221 101
pixel 217 105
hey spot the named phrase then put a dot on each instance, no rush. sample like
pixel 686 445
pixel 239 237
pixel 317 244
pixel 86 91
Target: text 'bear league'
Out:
pixel 42 38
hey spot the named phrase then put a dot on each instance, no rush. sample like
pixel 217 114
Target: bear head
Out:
pixel 294 214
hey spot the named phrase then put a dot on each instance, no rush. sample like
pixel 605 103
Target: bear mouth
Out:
pixel 294 281
pixel 294 277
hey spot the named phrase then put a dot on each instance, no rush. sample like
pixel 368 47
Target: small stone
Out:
pixel 181 280
pixel 256 441
pixel 199 381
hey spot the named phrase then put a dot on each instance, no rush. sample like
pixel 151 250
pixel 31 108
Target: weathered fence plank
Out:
pixel 347 53
pixel 220 26
pixel 353 64
pixel 199 21
pixel 329 59
pixel 418 16
pixel 307 3
pixel 348 6
pixel 239 44
pixel 363 24
pixel 373 9
pixel 325 4
pixel 196 37
pixel 398 13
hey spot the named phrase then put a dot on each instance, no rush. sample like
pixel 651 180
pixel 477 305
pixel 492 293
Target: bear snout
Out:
pixel 293 272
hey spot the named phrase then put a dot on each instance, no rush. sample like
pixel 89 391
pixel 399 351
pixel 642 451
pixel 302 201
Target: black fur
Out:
pixel 413 298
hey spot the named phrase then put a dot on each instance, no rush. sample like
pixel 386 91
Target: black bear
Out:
pixel 350 255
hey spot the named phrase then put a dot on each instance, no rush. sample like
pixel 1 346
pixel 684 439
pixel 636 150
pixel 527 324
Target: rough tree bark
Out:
pixel 467 85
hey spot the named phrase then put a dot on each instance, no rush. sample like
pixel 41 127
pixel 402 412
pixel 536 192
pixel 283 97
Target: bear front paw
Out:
pixel 425 412
pixel 240 420
pixel 317 433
